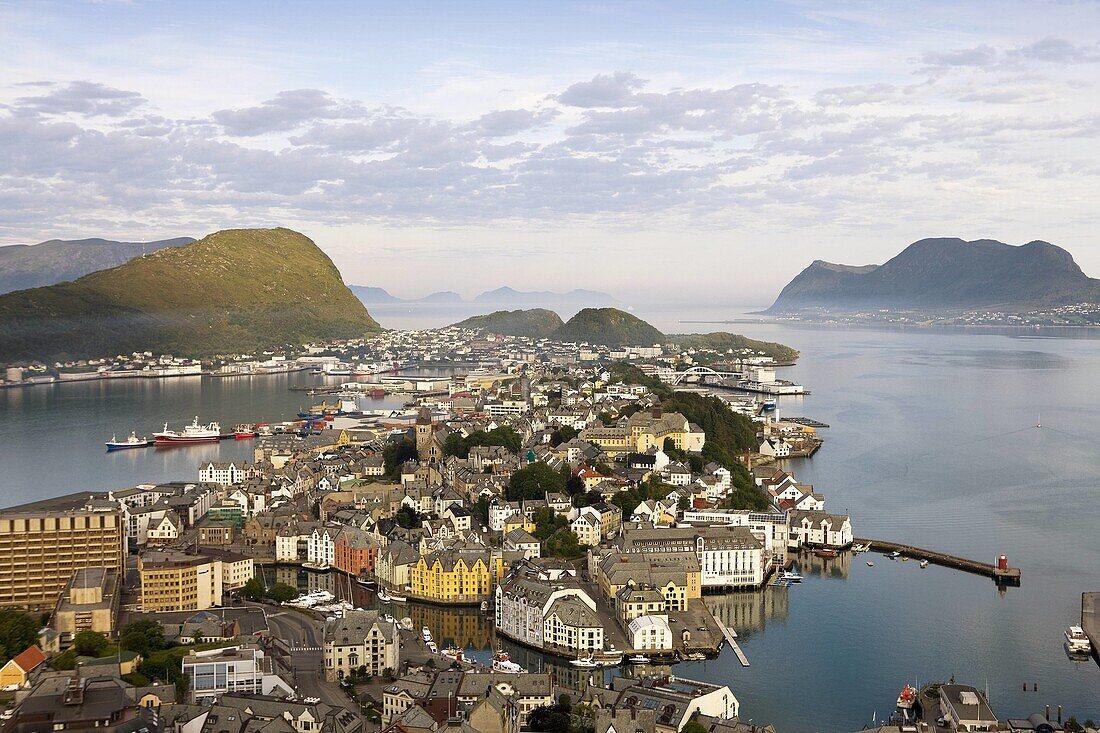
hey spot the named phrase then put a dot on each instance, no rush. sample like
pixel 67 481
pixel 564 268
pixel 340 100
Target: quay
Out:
pixel 808 422
pixel 1090 621
pixel 1003 576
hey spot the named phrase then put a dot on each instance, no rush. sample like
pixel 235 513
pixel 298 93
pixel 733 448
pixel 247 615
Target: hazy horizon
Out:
pixel 702 150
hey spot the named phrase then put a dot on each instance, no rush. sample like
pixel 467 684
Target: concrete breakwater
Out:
pixel 1003 575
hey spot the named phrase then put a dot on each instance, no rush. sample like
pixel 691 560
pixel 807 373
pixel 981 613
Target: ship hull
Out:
pixel 127 446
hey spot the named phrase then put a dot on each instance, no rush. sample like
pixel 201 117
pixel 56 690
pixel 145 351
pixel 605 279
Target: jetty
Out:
pixel 1003 575
pixel 1090 620
pixel 731 638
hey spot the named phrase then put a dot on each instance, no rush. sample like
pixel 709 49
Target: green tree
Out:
pixel 456 445
pixel 407 517
pixel 533 481
pixel 395 454
pixel 18 631
pixel 482 509
pixel 90 644
pixel 143 637
pixel 254 589
pixel 693 726
pixel 281 592
pixel 183 684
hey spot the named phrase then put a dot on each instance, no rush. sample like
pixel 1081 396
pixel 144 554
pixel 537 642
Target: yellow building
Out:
pixel 644 430
pixel 519 521
pixel 89 603
pixel 40 550
pixel 456 576
pixel 173 581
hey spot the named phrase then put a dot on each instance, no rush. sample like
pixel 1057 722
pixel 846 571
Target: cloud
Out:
pixel 856 95
pixel 286 111
pixel 83 98
pixel 603 90
pixel 1057 50
pixel 507 122
pixel 977 56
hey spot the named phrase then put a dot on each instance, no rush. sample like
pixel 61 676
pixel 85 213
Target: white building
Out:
pixel 651 633
pixel 237 669
pixel 321 549
pixel 360 639
pixel 541 614
pixel 729 556
pixel 818 529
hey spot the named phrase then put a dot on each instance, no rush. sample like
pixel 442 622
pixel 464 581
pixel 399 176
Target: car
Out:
pixel 702 628
pixel 941 722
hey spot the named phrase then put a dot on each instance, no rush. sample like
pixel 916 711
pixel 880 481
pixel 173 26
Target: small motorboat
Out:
pixel 364 582
pixel 317 567
pixel 907 698
pixel 923 564
pixel 1077 641
pixel 791 576
pixel 870 564
pixel 132 442
pixel 502 662
pixel 638 659
pixel 894 555
pixel 588 662
pixel 484 606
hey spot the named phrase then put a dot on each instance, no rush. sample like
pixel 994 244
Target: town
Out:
pixel 529 543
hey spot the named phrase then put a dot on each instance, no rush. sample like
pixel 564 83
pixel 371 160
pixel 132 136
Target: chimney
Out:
pixel 1059 715
pixel 656 412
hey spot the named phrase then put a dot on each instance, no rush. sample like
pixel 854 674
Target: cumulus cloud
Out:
pixel 286 111
pixel 605 90
pixel 1057 50
pixel 82 98
pixel 978 56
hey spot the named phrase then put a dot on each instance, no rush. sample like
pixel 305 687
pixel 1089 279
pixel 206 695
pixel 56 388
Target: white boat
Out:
pixel 870 564
pixel 322 567
pixel 132 442
pixel 453 652
pixel 1077 641
pixel 502 662
pixel 193 433
pixel 894 555
pixel 588 662
pixel 383 595
pixel 432 647
pixel 638 659
pixel 907 698
pixel 793 577
pixel 923 564
pixel 426 634
pixel 484 606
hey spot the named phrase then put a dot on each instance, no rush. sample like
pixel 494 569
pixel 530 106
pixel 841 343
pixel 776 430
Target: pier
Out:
pixel 731 638
pixel 1006 576
pixel 1090 621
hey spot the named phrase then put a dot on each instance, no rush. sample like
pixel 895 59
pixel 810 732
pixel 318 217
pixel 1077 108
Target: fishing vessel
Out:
pixel 132 442
pixel 907 698
pixel 769 404
pixel 453 652
pixel 244 431
pixel 502 662
pixel 1077 641
pixel 638 659
pixel 193 433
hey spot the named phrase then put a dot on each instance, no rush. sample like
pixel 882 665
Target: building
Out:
pixel 675 699
pixel 89 603
pixel 523 692
pixel 456 576
pixel 354 552
pixel 77 704
pixel 40 550
pixel 650 633
pixel 243 669
pixel 728 556
pixel 174 581
pixel 571 623
pixel 818 529
pixel 543 614
pixel 18 669
pixel 360 640
pixel 966 709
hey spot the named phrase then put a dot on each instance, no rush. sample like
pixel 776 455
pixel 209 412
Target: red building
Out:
pixel 355 552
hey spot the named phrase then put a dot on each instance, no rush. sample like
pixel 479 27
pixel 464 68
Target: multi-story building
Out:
pixel 243 669
pixel 40 550
pixel 728 556
pixel 355 552
pixel 818 529
pixel 360 640
pixel 542 614
pixel 524 692
pixel 89 603
pixel 174 581
pixel 456 576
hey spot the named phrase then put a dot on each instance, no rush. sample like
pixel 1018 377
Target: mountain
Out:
pixel 533 323
pixel 945 273
pixel 608 326
pixel 444 296
pixel 57 260
pixel 373 296
pixel 722 341
pixel 509 297
pixel 234 291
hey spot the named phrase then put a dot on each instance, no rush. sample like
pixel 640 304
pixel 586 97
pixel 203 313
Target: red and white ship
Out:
pixel 193 433
pixel 907 697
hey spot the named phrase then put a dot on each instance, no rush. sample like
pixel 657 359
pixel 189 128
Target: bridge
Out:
pixel 703 373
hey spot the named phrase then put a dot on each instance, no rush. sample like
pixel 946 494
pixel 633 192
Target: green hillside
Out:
pixel 533 323
pixel 722 342
pixel 609 326
pixel 233 291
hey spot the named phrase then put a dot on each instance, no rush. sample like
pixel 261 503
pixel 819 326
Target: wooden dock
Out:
pixel 1090 620
pixel 1010 576
pixel 731 637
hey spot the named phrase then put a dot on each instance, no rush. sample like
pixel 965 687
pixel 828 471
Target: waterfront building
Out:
pixel 675 699
pixel 965 708
pixel 243 669
pixel 676 575
pixel 635 601
pixel 543 614
pixel 394 562
pixel 728 556
pixel 40 550
pixel 354 551
pixel 89 603
pixel 650 633
pixel 818 529
pixel 456 576
pixel 573 625
pixel 175 581
pixel 360 640
pixel 771 529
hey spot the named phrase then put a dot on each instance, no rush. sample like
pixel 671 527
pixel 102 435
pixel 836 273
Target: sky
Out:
pixel 677 152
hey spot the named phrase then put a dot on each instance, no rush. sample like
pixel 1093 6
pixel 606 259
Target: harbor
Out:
pixel 1090 621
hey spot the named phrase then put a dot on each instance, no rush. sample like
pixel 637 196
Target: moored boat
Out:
pixel 1077 641
pixel 193 433
pixel 638 659
pixel 132 442
pixel 316 567
pixel 502 662
pixel 244 431
pixel 907 698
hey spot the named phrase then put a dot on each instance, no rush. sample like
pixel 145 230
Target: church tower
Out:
pixel 424 434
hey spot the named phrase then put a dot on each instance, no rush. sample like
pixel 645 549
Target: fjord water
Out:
pixel 932 442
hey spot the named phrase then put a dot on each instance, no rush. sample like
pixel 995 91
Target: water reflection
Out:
pixel 748 612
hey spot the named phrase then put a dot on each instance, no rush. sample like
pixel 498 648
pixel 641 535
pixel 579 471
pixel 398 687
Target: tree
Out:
pixel 550 718
pixel 482 510
pixel 395 454
pixel 281 593
pixel 18 631
pixel 407 517
pixel 693 726
pixel 90 644
pixel 143 637
pixel 183 684
pixel 456 445
pixel 254 589
pixel 534 481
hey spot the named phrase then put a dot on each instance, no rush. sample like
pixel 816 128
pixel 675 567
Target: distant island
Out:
pixel 504 298
pixel 234 291
pixel 613 327
pixel 936 275
pixel 25 266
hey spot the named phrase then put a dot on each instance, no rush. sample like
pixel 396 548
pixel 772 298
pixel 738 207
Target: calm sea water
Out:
pixel 932 442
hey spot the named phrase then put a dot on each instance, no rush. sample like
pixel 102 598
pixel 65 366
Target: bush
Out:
pixel 90 644
pixel 142 637
pixel 281 593
pixel 533 481
pixel 17 632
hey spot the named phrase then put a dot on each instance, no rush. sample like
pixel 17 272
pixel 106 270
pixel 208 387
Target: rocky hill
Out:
pixel 57 260
pixel 233 291
pixel 533 323
pixel 943 274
